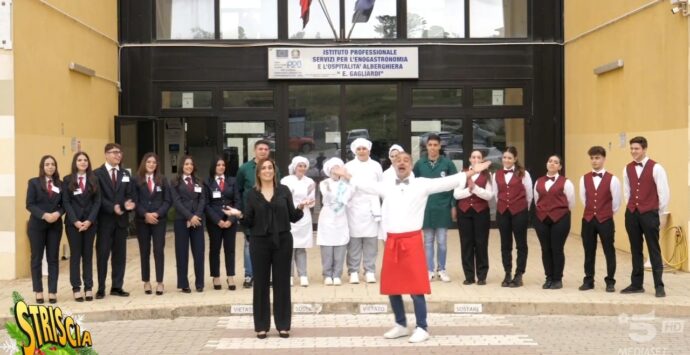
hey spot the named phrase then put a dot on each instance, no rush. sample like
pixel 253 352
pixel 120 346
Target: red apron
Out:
pixel 404 265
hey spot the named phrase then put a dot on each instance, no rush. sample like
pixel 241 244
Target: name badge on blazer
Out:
pixel 216 194
pixel 158 189
pixel 197 189
pixel 77 192
pixel 125 178
pixel 56 189
pixel 443 174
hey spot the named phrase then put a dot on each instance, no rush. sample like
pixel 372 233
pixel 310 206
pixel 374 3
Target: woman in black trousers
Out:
pixel 44 201
pixel 554 197
pixel 81 198
pixel 474 222
pixel 268 214
pixel 189 200
pixel 153 201
pixel 221 192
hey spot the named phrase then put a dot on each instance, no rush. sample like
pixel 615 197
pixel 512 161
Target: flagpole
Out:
pixel 328 18
pixel 353 24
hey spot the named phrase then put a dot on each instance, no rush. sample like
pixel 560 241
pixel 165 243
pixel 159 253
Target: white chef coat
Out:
pixel 364 210
pixel 301 189
pixel 333 224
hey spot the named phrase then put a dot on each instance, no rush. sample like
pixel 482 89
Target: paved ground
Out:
pixel 350 334
pixel 445 297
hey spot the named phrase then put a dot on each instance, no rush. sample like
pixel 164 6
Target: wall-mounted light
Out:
pixel 602 69
pixel 81 69
pixel 680 6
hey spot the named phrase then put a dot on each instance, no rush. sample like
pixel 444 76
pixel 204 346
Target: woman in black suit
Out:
pixel 44 201
pixel 189 201
pixel 153 202
pixel 221 192
pixel 81 198
pixel 268 213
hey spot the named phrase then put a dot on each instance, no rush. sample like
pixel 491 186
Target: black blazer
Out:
pixel 267 218
pixel 124 190
pixel 230 196
pixel 38 202
pixel 188 204
pixel 84 206
pixel 158 201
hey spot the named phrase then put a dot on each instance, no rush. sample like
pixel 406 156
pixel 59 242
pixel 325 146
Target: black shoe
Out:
pixel 232 286
pixel 119 292
pixel 516 282
pixel 262 335
pixel 632 289
pixel 100 295
pixel 248 282
pixel 186 290
pixel 586 286
pixel 199 289
pixel 40 300
pixel 610 288
pixel 284 334
pixel 555 285
pixel 217 287
pixel 468 282
pixel 52 300
pixel 89 296
pixel 660 291
pixel 506 280
pixel 78 297
pixel 546 285
pixel 481 282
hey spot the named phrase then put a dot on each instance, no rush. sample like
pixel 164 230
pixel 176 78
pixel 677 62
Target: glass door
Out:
pixel 238 138
pixel 450 130
pixel 137 136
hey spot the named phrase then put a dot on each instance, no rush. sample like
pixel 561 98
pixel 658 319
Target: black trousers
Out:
pixel 267 259
pixel 111 240
pixel 638 225
pixel 81 257
pixel 146 235
pixel 510 225
pixel 552 236
pixel 45 236
pixel 224 237
pixel 606 231
pixel 474 243
pixel 184 239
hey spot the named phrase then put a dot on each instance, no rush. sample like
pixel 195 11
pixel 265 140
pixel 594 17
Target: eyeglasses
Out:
pixel 115 152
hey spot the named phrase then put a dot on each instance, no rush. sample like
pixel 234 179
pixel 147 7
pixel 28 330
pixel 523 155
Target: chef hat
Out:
pixel 295 161
pixel 330 164
pixel 394 147
pixel 360 142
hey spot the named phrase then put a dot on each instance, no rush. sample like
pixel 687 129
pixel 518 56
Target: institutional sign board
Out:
pixel 301 63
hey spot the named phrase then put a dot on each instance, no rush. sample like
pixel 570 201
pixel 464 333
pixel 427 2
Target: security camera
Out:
pixel 675 10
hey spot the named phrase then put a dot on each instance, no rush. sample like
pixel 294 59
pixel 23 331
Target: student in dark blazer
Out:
pixel 153 202
pixel 81 197
pixel 268 212
pixel 189 200
pixel 117 200
pixel 221 191
pixel 44 201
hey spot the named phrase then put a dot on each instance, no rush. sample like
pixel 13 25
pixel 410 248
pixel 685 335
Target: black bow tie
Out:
pixel 601 175
pixel 510 171
pixel 552 178
pixel 398 181
pixel 639 164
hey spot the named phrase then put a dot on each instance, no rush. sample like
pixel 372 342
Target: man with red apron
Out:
pixel 402 214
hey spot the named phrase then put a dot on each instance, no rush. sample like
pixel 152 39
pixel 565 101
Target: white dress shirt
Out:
pixel 485 193
pixel 615 187
pixel 403 204
pixel 526 182
pixel 661 180
pixel 568 190
pixel 110 168
pixel 390 175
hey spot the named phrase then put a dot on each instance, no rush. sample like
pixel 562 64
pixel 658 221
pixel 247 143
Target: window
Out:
pixel 380 23
pixel 186 99
pixel 248 98
pixel 435 18
pixel 371 114
pixel 497 97
pixel 185 19
pixel 498 18
pixel 317 27
pixel 257 19
pixel 436 97
pixel 450 132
